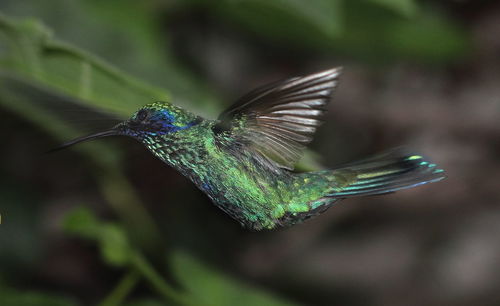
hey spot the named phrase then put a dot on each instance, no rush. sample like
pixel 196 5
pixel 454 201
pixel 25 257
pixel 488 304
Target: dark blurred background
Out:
pixel 107 223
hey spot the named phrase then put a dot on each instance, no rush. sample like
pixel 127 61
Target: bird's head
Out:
pixel 156 119
pixel 153 120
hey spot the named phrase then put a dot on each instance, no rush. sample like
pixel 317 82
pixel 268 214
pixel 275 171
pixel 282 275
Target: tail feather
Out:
pixel 386 173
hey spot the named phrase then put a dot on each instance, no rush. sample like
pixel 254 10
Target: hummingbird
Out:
pixel 244 160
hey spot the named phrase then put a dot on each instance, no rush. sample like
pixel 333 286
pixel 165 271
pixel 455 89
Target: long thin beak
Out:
pixel 111 132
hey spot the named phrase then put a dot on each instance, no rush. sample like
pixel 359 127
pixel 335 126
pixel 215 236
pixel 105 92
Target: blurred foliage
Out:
pixel 25 249
pixel 28 298
pixel 373 30
pixel 210 287
pixel 39 73
pixel 204 285
pixel 112 240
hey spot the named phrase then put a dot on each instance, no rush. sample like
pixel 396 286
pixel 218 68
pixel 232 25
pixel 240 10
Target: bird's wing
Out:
pixel 279 120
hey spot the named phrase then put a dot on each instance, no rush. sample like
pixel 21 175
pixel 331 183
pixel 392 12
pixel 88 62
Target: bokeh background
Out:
pixel 106 223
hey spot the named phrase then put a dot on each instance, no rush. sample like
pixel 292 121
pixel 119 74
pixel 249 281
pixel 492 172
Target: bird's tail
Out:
pixel 385 173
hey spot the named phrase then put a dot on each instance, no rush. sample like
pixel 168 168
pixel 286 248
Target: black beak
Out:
pixel 112 132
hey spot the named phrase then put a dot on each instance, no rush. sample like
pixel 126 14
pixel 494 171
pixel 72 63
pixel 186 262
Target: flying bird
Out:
pixel 244 161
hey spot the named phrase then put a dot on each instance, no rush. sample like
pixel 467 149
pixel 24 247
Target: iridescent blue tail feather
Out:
pixel 386 173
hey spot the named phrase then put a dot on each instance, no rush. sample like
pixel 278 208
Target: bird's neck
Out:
pixel 184 151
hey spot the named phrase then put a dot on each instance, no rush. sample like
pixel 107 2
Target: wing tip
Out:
pixel 332 73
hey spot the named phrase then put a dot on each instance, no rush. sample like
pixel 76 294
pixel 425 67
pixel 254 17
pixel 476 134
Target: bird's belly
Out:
pixel 250 199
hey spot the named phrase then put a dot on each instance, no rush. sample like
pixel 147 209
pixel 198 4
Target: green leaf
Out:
pixel 139 45
pixel 113 242
pixel 82 222
pixel 34 55
pixel 114 245
pixel 213 288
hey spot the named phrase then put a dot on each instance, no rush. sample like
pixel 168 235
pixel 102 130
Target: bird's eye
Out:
pixel 142 115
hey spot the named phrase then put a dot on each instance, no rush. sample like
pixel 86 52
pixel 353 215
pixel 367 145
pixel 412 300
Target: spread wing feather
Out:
pixel 279 120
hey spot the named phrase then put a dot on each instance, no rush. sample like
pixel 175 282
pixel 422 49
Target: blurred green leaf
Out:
pixel 211 287
pixel 34 55
pixel 116 251
pixel 82 222
pixel 10 297
pixel 112 240
pixel 138 45
pixel 114 245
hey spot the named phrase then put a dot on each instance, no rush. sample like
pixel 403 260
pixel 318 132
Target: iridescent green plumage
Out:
pixel 244 160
